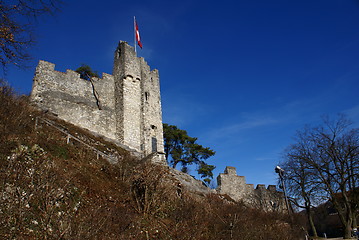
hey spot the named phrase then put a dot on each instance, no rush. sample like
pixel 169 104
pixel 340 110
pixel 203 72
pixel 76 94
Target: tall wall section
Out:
pixel 74 99
pixel 128 99
pixel 152 110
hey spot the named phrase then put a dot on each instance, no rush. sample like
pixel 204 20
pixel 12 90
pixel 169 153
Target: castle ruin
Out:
pixel 124 107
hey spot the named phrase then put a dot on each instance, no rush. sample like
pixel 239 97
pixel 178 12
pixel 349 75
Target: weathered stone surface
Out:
pixel 229 183
pixel 72 99
pixel 187 183
pixel 124 107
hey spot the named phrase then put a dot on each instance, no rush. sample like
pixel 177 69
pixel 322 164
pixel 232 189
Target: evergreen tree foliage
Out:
pixel 184 150
pixel 86 72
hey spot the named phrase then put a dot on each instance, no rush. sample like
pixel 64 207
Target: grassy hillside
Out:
pixel 50 189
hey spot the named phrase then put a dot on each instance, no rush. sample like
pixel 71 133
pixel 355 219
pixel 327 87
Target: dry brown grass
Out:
pixel 53 190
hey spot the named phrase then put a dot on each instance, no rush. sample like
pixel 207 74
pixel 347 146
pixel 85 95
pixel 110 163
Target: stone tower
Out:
pixel 124 107
pixel 138 102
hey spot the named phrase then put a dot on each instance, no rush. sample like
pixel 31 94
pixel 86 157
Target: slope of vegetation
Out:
pixel 53 190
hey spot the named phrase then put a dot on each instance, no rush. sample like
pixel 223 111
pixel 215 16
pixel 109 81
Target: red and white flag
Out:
pixel 138 39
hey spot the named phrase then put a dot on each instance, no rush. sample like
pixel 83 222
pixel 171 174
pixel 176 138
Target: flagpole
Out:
pixel 134 31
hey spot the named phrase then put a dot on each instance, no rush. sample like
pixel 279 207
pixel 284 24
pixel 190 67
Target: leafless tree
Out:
pixel 301 184
pixel 17 20
pixel 324 162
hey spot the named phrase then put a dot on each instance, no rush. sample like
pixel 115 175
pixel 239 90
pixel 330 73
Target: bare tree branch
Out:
pixel 17 20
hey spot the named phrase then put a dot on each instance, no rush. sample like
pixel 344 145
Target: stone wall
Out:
pixel 73 99
pixel 124 107
pixel 267 199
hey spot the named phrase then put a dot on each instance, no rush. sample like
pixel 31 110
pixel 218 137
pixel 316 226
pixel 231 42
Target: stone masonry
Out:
pixel 124 107
pixel 234 186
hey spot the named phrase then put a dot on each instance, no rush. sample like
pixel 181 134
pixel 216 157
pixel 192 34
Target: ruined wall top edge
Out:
pixel 48 66
pixel 51 84
pixel 232 172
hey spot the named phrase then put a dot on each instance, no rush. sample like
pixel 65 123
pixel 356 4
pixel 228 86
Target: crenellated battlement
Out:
pixel 269 199
pixel 70 74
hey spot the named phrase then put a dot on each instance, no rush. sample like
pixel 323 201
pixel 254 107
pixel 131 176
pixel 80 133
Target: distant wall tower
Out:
pixel 234 186
pixel 125 106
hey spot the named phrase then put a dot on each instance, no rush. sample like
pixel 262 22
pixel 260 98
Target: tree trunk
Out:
pixel 311 222
pixel 348 231
pixel 349 216
pixel 355 223
pixel 347 220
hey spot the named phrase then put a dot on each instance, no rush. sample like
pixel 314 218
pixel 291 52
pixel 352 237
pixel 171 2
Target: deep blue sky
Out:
pixel 242 76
